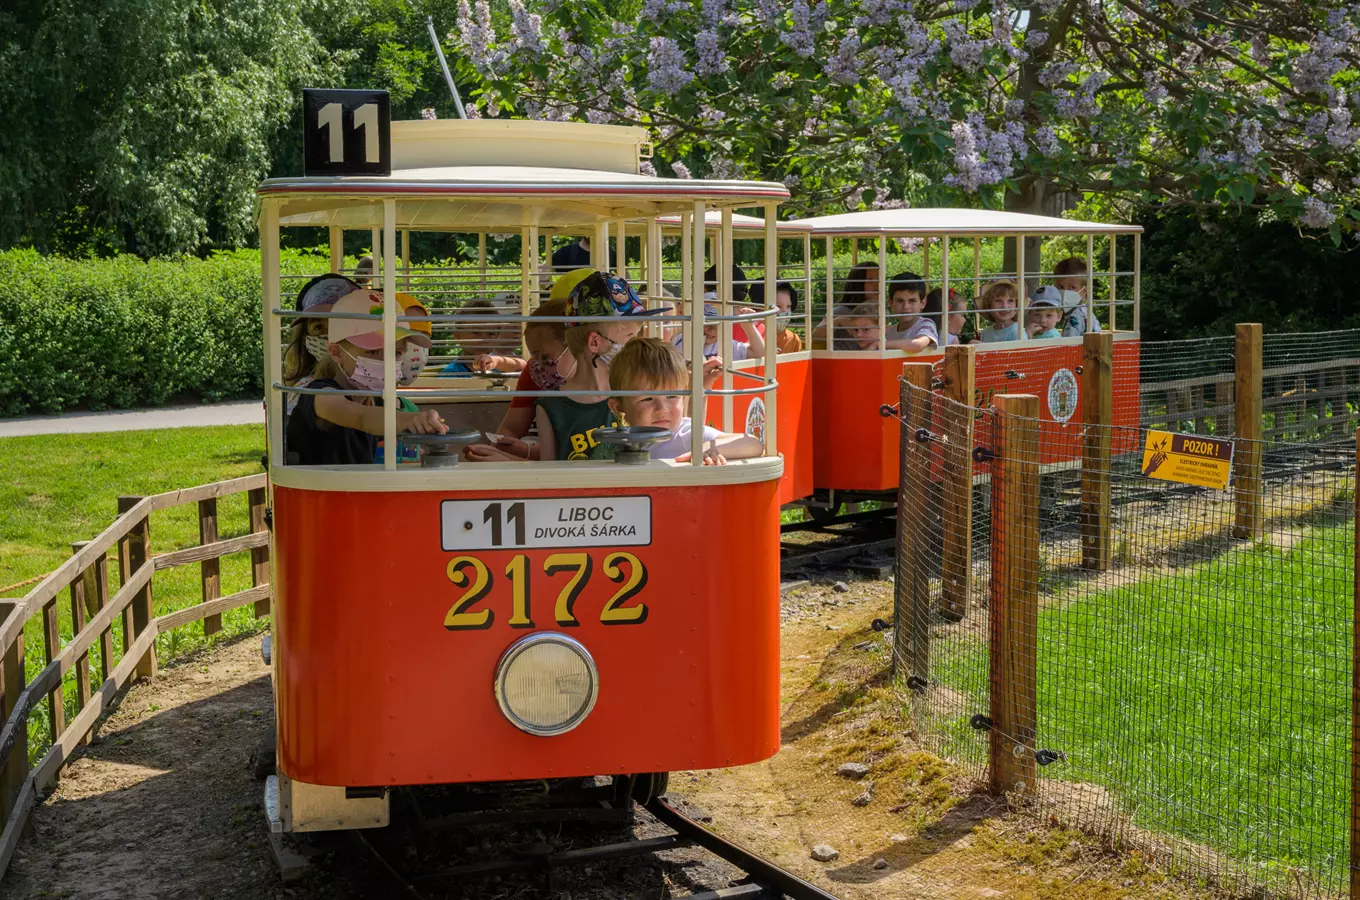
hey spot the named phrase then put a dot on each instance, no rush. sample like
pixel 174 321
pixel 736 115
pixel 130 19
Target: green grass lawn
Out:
pixel 1213 704
pixel 63 488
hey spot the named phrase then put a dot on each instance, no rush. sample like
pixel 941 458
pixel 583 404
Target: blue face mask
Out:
pixel 608 355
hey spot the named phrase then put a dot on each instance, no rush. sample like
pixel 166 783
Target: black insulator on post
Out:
pixel 1044 757
pixel 924 435
pixel 983 454
pixel 917 684
pixel 887 411
pixel 980 722
pixel 1011 373
pixel 880 625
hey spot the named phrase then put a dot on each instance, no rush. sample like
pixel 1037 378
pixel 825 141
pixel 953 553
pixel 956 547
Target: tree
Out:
pixel 1201 103
pixel 146 125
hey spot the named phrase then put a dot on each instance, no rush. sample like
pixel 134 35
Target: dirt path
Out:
pixel 163 804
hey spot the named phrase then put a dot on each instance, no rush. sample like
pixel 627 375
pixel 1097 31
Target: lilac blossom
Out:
pixel 428 113
pixel 712 59
pixel 657 10
pixel 843 68
pixel 1340 134
pixel 666 67
pixel 1036 39
pixel 967 161
pixel 717 12
pixel 476 34
pixel 1316 214
pixel 1313 70
pixel 1154 90
pixel 1046 138
pixel 526 30
pixel 769 14
pixel 646 168
pixel 1057 73
pixel 964 50
pixel 782 81
pixel 1249 136
pixel 709 115
pixel 909 245
pixel 680 169
pixel 799 38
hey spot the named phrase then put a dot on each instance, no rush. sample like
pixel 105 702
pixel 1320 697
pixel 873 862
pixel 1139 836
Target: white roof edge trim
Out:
pixel 941 221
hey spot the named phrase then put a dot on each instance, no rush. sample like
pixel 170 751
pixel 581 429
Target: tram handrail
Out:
pixel 489 394
pixel 94 612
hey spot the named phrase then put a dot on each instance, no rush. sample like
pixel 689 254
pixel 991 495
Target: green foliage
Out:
pixel 122 332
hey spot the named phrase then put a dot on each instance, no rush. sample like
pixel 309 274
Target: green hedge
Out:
pixel 123 332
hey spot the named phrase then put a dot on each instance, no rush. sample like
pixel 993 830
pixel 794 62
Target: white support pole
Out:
pixel 270 292
pixel 599 247
pixel 882 292
pixel 652 254
pixel 977 281
pixel 530 300
pixel 695 339
pixel 925 258
pixel 807 289
pixel 621 242
pixel 830 336
pixel 389 327
pixel 376 252
pixel 943 323
pixel 1111 319
pixel 526 261
pixel 1137 282
pixel 337 236
pixel 771 398
pixel 481 259
pixel 1020 287
pixel 686 262
pixel 1090 278
pixel 727 308
pixel 406 257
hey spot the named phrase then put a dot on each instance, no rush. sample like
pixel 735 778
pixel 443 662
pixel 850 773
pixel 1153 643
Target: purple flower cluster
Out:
pixel 1316 213
pixel 965 51
pixel 666 67
pixel 428 113
pixel 658 10
pixel 1313 71
pixel 799 38
pixel 1036 39
pixel 781 81
pixel 680 169
pixel 646 168
pixel 1046 139
pixel 526 30
pixel 717 12
pixel 843 67
pixel 476 35
pixel 712 57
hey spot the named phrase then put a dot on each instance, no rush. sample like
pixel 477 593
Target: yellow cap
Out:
pixel 564 285
pixel 413 307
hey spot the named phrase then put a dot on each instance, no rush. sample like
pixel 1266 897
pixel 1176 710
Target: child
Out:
pixel 861 286
pixel 862 325
pixel 307 337
pixel 1043 313
pixel 913 332
pixel 651 364
pixel 786 301
pixel 566 424
pixel 481 347
pixel 332 429
pixel 999 305
pixel 416 354
pixel 549 367
pixel 755 348
pixel 1070 278
pixel 364 269
pixel 957 307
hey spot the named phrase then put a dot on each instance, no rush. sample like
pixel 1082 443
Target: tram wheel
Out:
pixel 649 786
pixel 824 515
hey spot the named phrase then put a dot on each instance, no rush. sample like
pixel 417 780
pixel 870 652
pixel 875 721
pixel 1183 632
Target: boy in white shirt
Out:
pixel 913 331
pixel 754 347
pixel 652 364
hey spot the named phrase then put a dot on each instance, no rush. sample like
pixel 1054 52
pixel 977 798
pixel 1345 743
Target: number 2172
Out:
pixel 476 580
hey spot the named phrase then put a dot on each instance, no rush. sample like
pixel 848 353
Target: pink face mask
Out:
pixel 367 374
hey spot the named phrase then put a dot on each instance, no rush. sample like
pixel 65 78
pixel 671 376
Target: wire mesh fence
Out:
pixel 1165 665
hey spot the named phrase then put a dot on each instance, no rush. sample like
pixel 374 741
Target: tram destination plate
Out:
pixel 504 524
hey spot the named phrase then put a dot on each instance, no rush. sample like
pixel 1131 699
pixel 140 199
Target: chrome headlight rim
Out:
pixel 517 649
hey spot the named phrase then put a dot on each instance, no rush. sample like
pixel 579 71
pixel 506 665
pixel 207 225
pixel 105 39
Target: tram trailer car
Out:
pixel 856 451
pixel 503 622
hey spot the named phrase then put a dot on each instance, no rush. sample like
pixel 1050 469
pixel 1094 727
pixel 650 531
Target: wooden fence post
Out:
pixel 911 635
pixel 1097 409
pixel 956 426
pixel 259 556
pixel 81 588
pixel 56 702
pixel 11 686
pixel 1247 454
pixel 1355 691
pixel 209 570
pixel 137 551
pixel 98 601
pixel 1014 599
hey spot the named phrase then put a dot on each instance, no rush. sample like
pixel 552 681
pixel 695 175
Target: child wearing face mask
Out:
pixel 307 338
pixel 651 364
pixel 549 366
pixel 331 428
pixel 566 424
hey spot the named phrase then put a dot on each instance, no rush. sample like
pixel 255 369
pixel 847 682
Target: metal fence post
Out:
pixel 911 634
pixel 1014 598
pixel 1097 408
pixel 1355 690
pixel 956 425
pixel 1247 454
pixel 137 554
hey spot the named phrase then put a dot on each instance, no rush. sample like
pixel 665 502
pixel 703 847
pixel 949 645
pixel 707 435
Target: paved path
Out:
pixel 240 412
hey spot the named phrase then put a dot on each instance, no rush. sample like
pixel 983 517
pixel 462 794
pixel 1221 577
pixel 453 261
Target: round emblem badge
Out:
pixel 755 419
pixel 1062 395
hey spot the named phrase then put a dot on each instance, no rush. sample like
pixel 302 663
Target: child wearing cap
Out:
pixel 651 364
pixel 307 337
pixel 1069 277
pixel 330 428
pixel 752 348
pixel 999 306
pixel 786 301
pixel 566 425
pixel 1045 309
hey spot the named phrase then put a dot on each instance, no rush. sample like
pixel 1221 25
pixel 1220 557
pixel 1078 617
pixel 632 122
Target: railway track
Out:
pixel 860 542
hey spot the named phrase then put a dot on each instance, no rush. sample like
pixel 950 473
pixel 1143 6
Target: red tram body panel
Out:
pixel 795 422
pixel 372 688
pixel 856 449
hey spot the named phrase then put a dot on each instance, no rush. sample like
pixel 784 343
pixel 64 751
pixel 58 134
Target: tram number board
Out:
pixel 505 524
pixel 346 132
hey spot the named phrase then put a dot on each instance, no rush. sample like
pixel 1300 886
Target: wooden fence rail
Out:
pixel 93 615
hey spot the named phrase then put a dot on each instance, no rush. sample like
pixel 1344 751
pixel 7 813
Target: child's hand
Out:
pixel 488 453
pixel 712 369
pixel 514 447
pixel 711 457
pixel 426 421
pixel 745 310
pixel 486 361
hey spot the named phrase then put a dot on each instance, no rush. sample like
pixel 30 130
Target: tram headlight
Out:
pixel 546 684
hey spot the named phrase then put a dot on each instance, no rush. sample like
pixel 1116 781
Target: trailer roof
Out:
pixel 943 221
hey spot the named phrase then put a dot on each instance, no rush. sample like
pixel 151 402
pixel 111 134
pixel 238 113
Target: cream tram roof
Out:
pixel 740 224
pixel 969 222
pixel 489 175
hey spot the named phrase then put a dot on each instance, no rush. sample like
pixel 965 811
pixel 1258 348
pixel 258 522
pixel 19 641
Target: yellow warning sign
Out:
pixel 1188 459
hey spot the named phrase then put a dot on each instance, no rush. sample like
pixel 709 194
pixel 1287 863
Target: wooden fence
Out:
pixel 85 577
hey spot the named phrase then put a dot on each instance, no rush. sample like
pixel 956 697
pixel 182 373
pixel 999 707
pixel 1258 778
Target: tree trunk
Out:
pixel 1040 198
